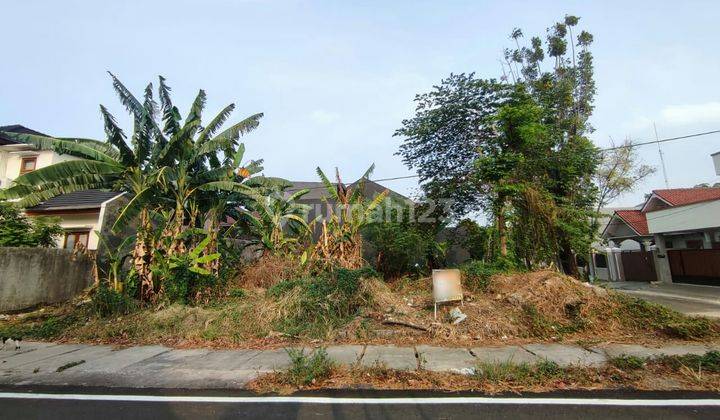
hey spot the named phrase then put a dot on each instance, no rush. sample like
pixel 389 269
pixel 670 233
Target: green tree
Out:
pixel 19 231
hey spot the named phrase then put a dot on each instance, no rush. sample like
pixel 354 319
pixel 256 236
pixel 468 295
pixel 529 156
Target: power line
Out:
pixel 643 143
pixel 606 149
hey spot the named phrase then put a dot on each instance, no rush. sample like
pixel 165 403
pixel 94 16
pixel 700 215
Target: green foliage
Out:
pixel 237 293
pixel 708 362
pixel 476 239
pixel 182 275
pixel 40 329
pixel 306 369
pixel 477 274
pixel 109 302
pixel 20 231
pixel 400 249
pixel 322 303
pixel 522 373
pixel 626 362
pixel 642 314
pixel 516 149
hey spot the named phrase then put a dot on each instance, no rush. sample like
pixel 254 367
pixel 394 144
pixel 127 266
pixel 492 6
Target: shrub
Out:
pixel 237 293
pixel 399 249
pixel 316 305
pixel 540 326
pixel 107 302
pixel 477 274
pixel 306 369
pixel 18 230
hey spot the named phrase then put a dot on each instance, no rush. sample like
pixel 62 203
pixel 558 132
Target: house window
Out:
pixel 28 164
pixel 668 244
pixel 694 244
pixel 600 261
pixel 73 237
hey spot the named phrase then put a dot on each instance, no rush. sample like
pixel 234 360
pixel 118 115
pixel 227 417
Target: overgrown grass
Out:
pixel 317 305
pixel 626 362
pixel 522 373
pixel 40 328
pixel 307 369
pixel 708 362
pixel 641 314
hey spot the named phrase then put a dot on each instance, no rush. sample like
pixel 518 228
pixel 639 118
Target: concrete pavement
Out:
pixel 688 299
pixel 161 367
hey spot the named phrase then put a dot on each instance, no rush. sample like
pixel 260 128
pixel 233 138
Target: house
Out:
pixel 81 213
pixel 677 232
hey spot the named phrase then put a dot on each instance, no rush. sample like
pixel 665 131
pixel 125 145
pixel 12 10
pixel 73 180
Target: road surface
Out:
pixel 16 404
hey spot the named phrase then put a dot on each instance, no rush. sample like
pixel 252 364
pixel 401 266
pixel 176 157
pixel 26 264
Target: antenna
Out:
pixel 662 157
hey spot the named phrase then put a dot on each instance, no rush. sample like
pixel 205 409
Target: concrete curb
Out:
pixel 162 367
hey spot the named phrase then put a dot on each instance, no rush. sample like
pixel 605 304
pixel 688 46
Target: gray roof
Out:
pixel 318 191
pixel 78 200
pixel 16 128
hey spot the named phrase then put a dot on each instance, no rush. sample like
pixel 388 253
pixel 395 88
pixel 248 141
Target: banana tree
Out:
pixel 156 169
pixel 275 220
pixel 340 241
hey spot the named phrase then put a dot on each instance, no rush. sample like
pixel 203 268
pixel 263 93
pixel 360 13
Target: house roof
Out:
pixel 16 128
pixel 685 196
pixel 78 200
pixel 318 191
pixel 635 219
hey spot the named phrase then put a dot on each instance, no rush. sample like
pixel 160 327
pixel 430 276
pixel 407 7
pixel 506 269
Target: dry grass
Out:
pixel 516 308
pixel 269 270
pixel 659 375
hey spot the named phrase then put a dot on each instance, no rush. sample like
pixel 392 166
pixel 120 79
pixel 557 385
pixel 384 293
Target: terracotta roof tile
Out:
pixel 635 219
pixel 684 196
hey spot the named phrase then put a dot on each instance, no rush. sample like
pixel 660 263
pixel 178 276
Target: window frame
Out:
pixel 77 233
pixel 24 159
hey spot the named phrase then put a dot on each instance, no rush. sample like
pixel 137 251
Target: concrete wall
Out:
pixel 33 276
pixel 704 215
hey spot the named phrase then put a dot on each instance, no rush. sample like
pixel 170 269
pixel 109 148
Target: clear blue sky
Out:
pixel 335 78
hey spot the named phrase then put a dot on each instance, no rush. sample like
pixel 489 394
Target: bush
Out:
pixel 107 302
pixel 18 230
pixel 305 370
pixel 399 249
pixel 477 274
pixel 316 305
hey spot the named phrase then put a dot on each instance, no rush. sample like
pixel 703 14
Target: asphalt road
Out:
pixel 23 405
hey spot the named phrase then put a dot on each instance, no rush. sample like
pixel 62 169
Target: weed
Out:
pixel 107 302
pixel 642 314
pixel 708 362
pixel 69 365
pixel 307 369
pixel 626 362
pixel 317 305
pixel 237 293
pixel 540 326
pixel 522 373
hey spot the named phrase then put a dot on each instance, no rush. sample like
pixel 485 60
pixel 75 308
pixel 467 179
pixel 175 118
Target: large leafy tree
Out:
pixel 518 148
pixel 167 163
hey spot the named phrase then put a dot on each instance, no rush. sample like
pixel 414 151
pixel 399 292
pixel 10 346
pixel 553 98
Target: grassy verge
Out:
pixel 666 373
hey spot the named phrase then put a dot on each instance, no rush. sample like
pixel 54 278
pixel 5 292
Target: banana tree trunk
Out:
pixel 142 255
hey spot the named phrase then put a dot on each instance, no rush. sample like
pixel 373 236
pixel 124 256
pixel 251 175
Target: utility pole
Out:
pixel 662 157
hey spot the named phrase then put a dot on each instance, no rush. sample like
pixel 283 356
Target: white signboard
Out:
pixel 446 286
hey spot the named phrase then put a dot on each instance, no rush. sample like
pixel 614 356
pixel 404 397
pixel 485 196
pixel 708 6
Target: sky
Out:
pixel 335 79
